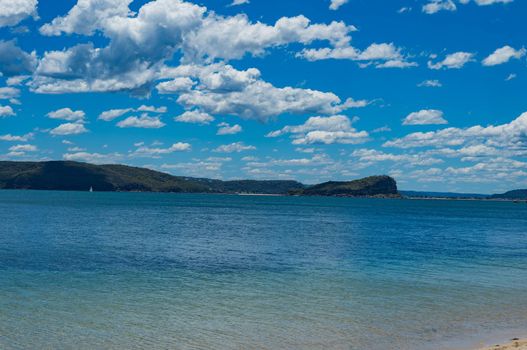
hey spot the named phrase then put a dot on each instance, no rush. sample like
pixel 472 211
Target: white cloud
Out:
pixel 14 61
pixel 112 114
pixel 385 128
pixel 425 117
pixel 143 121
pixel 7 93
pixel 153 152
pixel 6 111
pixel 76 149
pixel 326 130
pixel 487 2
pixel 69 129
pixel 239 2
pixel 508 137
pixel 96 158
pixel 13 12
pixel 86 16
pixel 335 4
pixel 152 109
pixel 386 55
pixel 140 44
pixel 503 55
pixel 195 117
pixel 511 77
pixel 227 129
pixel 435 6
pixel 17 138
pixel 67 114
pixel 396 64
pixel 17 80
pixel 372 155
pixel 234 147
pixel 234 37
pixel 453 61
pixel 430 83
pixel 225 90
pixel 23 148
pixel 175 86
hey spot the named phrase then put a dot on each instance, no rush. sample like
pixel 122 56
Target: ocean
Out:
pixel 83 270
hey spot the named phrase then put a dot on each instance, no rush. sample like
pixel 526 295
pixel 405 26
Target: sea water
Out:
pixel 190 271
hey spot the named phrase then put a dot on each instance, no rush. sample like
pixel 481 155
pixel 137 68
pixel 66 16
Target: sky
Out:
pixel 431 92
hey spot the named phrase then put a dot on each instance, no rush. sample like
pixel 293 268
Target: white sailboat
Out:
pixel 91 189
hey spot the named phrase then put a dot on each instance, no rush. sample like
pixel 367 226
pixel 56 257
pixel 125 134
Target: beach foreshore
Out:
pixel 513 344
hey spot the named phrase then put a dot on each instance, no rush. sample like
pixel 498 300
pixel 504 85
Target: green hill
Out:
pixel 381 186
pixel 515 194
pixel 76 176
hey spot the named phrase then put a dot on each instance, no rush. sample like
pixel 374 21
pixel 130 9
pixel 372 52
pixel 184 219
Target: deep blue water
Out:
pixel 180 271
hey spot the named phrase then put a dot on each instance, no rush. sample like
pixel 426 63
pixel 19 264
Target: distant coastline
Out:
pixel 77 176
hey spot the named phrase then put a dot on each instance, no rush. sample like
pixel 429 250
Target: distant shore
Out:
pixel 520 201
pixel 514 344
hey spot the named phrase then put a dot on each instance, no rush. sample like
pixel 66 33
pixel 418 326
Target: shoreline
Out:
pixel 517 201
pixel 513 344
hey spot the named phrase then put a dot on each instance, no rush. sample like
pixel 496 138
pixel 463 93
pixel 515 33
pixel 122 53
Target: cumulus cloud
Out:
pixel 386 55
pixel 430 83
pixel 23 148
pixel 486 2
pixel 69 129
pixel 234 147
pixel 234 37
pixel 374 156
pixel 509 136
pixel 96 158
pixel 156 152
pixel 435 6
pixel 453 61
pixel 225 90
pixel 425 117
pixel 112 114
pixel 175 86
pixel 144 121
pixel 194 117
pixel 67 114
pixel 325 130
pixel 239 2
pixel 16 80
pixel 17 138
pixel 14 61
pixel 87 16
pixel 6 111
pixel 227 129
pixel 503 55
pixel 335 4
pixel 13 12
pixel 7 93
pixel 152 109
pixel 140 44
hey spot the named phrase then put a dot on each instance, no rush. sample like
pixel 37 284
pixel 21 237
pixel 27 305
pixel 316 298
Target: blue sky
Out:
pixel 430 92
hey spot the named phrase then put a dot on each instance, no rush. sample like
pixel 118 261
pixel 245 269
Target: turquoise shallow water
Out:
pixel 178 271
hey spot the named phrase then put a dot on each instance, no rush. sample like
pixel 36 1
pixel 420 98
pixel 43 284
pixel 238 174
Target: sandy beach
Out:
pixel 516 344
